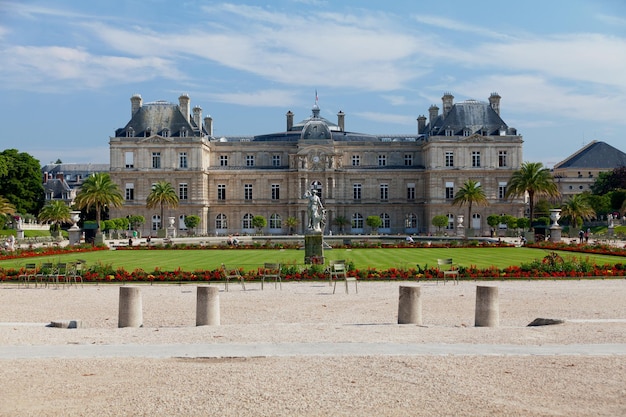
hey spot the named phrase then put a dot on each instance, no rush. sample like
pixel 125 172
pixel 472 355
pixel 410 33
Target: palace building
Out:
pixel 406 180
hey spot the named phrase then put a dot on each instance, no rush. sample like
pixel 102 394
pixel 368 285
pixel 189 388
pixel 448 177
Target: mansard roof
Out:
pixel 158 117
pixel 477 116
pixel 595 155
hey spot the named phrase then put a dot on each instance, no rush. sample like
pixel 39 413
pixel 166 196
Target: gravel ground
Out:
pixel 319 385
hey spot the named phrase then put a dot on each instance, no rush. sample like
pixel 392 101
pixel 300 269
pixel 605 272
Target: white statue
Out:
pixel 610 217
pixel 315 211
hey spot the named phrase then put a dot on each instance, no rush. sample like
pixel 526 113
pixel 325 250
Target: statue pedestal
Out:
pixel 314 248
pixel 555 234
pixel 74 235
pixel 611 231
pixel 20 233
pixel 171 232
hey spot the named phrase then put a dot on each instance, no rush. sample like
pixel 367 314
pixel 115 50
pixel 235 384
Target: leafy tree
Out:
pixel 4 166
pixel 341 222
pixel 493 220
pixel 617 199
pixel 259 222
pixel 470 193
pixel 523 222
pixel 136 221
pixel 532 178
pixel 162 194
pixel 22 184
pixel 609 181
pixel 440 221
pixel 577 209
pixel 57 212
pixel 99 192
pixel 374 222
pixel 291 223
pixel 192 221
pixel 510 221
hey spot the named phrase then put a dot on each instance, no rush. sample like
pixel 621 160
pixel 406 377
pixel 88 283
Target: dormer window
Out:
pixel 449 131
pixel 183 132
pixel 148 132
pixel 130 132
pixel 467 132
pixel 165 133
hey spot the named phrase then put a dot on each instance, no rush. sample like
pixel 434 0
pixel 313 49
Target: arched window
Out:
pixel 476 221
pixel 221 221
pixel 317 186
pixel 385 221
pixel 156 222
pixel 411 221
pixel 357 222
pixel 247 221
pixel 275 221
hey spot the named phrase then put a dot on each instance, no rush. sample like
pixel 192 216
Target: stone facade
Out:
pixel 404 179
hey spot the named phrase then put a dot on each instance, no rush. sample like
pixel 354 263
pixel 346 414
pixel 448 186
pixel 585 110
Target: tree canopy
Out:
pixel 576 209
pixel 99 191
pixel 22 183
pixel 55 211
pixel 162 194
pixel 532 178
pixel 609 181
pixel 470 193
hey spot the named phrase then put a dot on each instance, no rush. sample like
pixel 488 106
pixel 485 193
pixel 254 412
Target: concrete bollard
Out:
pixel 131 311
pixel 410 306
pixel 487 307
pixel 207 306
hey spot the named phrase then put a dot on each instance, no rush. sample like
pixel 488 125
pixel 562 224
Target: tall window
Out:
pixel 181 222
pixel 221 192
pixel 356 191
pixel 275 191
pixel 382 160
pixel 357 221
pixel 450 225
pixel 275 221
pixel 221 221
pixel 502 190
pixel 183 191
pixel 129 159
pixel 408 159
pixel 275 160
pixel 182 160
pixel 449 158
pixel 356 160
pixel 129 191
pixel 246 222
pixel 156 159
pixel 410 191
pixel 476 159
pixel 386 221
pixel 502 158
pixel 249 160
pixel 156 222
pixel 411 221
pixel 247 191
pixel 384 192
pixel 449 190
pixel 223 160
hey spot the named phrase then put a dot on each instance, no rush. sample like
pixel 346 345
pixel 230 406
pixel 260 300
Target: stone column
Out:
pixel 487 307
pixel 410 306
pixel 207 306
pixel 131 310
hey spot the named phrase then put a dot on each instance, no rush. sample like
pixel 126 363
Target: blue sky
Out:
pixel 69 67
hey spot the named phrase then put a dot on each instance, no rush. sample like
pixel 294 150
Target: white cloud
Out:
pixel 268 98
pixel 455 25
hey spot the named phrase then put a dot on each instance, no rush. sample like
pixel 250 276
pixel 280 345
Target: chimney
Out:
pixel 341 120
pixel 45 177
pixel 183 105
pixel 289 120
pixel 136 102
pixel 433 112
pixel 421 124
pixel 494 102
pixel 448 100
pixel 208 125
pixel 197 116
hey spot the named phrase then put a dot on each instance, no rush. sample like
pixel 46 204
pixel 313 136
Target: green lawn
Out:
pixel 248 259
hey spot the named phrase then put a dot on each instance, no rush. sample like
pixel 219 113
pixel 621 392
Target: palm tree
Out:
pixel 57 212
pixel 532 178
pixel 99 191
pixel 162 194
pixel 471 193
pixel 577 207
pixel 6 207
pixel 341 222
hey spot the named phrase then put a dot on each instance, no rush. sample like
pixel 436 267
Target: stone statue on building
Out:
pixel 315 212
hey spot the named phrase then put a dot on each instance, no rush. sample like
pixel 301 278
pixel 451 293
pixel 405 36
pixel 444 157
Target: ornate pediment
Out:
pixel 156 139
pixel 477 138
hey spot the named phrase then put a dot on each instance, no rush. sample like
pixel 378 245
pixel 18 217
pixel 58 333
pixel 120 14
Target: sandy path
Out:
pixel 310 385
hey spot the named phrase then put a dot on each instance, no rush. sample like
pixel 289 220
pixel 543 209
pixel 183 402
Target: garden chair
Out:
pixel 29 273
pixel 75 273
pixel 60 274
pixel 330 268
pixel 271 271
pixel 449 270
pixel 45 274
pixel 339 271
pixel 232 273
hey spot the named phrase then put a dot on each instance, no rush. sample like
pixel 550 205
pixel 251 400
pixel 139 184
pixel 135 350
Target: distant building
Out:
pixel 405 179
pixel 63 181
pixel 578 172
